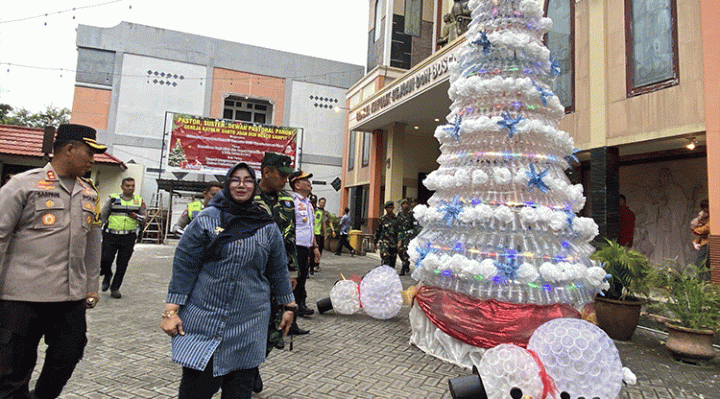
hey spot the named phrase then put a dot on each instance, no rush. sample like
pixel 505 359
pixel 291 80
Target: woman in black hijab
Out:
pixel 218 305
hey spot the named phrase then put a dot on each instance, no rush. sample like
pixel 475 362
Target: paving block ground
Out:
pixel 345 357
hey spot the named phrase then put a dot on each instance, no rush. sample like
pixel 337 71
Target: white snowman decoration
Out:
pixel 565 359
pixel 379 294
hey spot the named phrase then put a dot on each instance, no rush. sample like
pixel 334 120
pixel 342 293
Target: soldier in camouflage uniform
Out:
pixel 275 168
pixel 407 228
pixel 386 235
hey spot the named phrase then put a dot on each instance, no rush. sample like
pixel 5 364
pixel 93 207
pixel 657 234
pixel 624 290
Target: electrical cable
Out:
pixel 60 12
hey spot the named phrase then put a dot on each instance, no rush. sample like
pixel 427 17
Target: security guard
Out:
pixel 386 235
pixel 194 207
pixel 49 265
pixel 120 215
pixel 407 229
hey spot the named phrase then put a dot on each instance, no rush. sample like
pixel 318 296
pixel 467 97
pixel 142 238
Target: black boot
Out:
pixel 296 330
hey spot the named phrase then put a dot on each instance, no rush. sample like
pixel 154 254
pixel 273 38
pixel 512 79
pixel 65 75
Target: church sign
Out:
pixel 211 146
pixel 422 79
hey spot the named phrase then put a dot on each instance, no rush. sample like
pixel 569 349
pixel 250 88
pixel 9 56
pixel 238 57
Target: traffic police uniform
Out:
pixel 49 262
pixel 119 237
pixel 192 210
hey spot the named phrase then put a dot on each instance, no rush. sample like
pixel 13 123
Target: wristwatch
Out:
pixel 286 308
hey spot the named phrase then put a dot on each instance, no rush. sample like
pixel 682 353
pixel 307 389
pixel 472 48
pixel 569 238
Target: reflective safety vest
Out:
pixel 194 208
pixel 119 210
pixel 318 221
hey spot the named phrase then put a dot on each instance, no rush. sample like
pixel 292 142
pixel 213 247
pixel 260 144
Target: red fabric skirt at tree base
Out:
pixel 486 324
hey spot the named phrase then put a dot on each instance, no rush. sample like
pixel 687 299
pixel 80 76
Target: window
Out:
pixel 651 45
pixel 367 138
pixel 247 110
pixel 560 40
pixel 413 17
pixel 379 11
pixel 351 151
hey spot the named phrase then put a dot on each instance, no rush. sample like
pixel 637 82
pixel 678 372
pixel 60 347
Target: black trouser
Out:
pixel 320 239
pixel 202 385
pixel 344 243
pixel 123 245
pixel 300 294
pixel 22 325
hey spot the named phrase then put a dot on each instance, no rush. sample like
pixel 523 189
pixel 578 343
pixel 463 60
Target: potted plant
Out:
pixel 618 309
pixel 694 305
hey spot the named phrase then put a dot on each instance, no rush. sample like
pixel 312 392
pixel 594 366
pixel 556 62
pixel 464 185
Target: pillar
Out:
pixel 376 168
pixel 395 163
pixel 710 20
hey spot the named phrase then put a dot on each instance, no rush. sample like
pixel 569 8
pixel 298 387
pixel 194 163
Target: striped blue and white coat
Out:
pixel 225 302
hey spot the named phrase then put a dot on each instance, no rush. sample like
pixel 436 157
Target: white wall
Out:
pixel 323 127
pixel 322 141
pixel 142 103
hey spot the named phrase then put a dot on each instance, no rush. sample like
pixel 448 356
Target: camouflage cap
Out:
pixel 405 201
pixel 389 203
pixel 278 161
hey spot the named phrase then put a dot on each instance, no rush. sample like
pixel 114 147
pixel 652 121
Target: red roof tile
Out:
pixel 27 141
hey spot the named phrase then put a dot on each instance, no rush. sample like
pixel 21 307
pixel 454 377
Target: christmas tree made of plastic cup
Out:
pixel 501 224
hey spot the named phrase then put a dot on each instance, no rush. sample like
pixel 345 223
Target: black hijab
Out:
pixel 238 219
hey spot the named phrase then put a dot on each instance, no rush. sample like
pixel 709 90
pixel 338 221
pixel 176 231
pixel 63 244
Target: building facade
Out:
pixel 129 77
pixel 640 86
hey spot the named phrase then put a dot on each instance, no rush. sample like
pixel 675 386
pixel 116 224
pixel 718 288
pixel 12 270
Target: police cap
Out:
pixel 85 134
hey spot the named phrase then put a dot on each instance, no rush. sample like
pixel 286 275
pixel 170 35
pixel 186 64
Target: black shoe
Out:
pixel 292 268
pixel 295 330
pixel 105 285
pixel 402 273
pixel 338 254
pixel 352 253
pixel 115 294
pixel 304 311
pixel 258 385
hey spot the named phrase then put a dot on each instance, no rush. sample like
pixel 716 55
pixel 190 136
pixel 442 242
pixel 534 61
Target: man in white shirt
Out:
pixel 304 235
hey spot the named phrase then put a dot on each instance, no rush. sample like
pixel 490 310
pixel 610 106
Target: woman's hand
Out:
pixel 171 323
